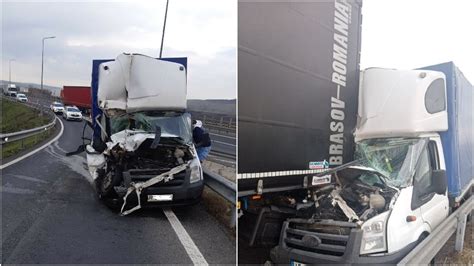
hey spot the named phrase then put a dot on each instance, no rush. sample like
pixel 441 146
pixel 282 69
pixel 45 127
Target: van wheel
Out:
pixel 106 181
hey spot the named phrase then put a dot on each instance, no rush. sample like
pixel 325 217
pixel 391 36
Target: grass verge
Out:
pixel 16 117
pixel 12 148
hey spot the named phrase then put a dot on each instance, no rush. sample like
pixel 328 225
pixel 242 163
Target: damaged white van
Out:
pixel 142 151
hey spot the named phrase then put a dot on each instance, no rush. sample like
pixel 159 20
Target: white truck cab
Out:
pixel 145 149
pixel 400 116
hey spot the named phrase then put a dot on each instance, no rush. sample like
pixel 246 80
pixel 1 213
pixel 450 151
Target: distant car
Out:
pixel 57 107
pixel 72 113
pixel 21 97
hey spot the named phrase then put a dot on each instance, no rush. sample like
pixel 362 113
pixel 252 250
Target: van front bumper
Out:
pixel 184 192
pixel 283 254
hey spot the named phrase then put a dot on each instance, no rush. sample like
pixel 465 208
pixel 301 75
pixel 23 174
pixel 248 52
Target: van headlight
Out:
pixel 374 234
pixel 196 171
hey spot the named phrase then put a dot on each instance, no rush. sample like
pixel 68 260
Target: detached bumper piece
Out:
pixel 139 186
pixel 326 242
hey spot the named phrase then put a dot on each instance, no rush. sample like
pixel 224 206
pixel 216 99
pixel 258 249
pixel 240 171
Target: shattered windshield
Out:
pixel 172 124
pixel 395 158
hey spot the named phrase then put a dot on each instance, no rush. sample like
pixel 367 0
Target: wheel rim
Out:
pixel 107 181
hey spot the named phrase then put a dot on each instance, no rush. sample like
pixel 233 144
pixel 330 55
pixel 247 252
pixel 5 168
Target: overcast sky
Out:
pixel 407 34
pixel 403 34
pixel 204 31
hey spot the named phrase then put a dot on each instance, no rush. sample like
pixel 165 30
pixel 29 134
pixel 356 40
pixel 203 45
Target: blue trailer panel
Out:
pixel 457 142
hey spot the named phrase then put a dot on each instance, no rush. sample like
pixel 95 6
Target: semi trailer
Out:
pixel 298 88
pixel 79 96
pixel 338 165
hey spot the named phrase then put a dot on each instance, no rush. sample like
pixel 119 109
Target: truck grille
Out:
pixel 326 237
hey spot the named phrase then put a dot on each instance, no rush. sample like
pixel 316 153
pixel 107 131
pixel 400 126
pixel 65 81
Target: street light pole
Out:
pixel 42 57
pixel 164 27
pixel 10 72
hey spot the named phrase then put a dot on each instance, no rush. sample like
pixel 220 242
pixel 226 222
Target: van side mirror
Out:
pixel 439 181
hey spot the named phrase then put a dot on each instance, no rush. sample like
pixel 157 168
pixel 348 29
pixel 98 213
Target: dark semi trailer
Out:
pixel 297 107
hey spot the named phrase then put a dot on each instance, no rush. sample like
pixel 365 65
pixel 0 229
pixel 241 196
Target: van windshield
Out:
pixel 172 124
pixel 395 158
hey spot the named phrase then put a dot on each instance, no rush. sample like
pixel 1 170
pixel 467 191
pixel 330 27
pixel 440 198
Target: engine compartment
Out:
pixel 165 156
pixel 349 195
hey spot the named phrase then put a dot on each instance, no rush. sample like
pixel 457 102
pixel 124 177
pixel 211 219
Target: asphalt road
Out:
pixel 50 214
pixel 223 149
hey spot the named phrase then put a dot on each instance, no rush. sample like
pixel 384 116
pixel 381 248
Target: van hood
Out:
pixel 130 140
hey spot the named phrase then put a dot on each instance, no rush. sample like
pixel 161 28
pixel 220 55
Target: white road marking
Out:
pixel 3 166
pixel 5 189
pixel 193 252
pixel 224 136
pixel 221 142
pixel 28 178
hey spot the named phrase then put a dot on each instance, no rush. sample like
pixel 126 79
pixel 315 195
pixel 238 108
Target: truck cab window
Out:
pixel 434 157
pixel 435 100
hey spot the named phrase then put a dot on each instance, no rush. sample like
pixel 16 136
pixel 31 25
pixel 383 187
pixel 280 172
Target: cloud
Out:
pixel 204 31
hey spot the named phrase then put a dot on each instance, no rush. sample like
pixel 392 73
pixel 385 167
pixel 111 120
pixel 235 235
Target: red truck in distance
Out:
pixel 79 96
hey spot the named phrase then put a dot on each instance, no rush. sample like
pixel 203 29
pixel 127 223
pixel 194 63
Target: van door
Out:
pixel 434 207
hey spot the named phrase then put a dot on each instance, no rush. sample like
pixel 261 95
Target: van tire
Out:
pixel 106 181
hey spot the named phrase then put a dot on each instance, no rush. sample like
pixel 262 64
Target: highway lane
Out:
pixel 50 214
pixel 223 150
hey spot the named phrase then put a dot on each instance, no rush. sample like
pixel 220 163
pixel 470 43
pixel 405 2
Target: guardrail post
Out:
pixel 460 230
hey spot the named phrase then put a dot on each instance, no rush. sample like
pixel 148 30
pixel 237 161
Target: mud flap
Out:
pixel 138 187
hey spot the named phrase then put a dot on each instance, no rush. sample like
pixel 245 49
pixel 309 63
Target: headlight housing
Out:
pixel 374 237
pixel 196 171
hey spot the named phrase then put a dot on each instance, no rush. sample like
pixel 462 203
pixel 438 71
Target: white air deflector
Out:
pixel 397 103
pixel 138 83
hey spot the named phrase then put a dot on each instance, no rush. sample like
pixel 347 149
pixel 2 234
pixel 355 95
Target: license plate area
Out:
pixel 159 198
pixel 296 263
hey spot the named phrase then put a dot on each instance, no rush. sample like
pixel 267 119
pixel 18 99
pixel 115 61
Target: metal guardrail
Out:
pixel 216 123
pixel 224 188
pixel 424 252
pixel 19 135
pixel 223 154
